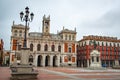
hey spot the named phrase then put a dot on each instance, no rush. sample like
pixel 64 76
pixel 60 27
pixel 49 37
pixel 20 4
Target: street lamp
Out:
pixel 27 19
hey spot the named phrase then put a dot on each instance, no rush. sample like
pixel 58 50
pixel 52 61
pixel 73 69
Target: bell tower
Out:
pixel 46 25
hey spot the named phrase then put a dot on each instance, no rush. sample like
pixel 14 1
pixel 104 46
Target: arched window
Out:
pixel 31 47
pixel 38 47
pixel 30 58
pixel 59 48
pixel 46 47
pixel 53 47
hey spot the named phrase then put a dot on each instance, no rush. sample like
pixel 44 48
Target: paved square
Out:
pixel 63 73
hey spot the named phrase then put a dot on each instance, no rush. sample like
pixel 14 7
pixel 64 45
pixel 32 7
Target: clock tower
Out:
pixel 46 25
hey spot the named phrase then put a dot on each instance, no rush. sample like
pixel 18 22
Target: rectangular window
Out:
pixel 69 50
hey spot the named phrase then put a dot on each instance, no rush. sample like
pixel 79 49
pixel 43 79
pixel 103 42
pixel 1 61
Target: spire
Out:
pixel 44 17
pixel 48 17
pixel 75 29
pixel 63 27
pixel 13 23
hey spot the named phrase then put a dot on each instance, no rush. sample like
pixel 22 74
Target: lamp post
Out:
pixel 27 18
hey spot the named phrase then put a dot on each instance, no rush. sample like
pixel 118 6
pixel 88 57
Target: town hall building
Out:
pixel 46 48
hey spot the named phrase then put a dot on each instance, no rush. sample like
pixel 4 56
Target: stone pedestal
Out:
pixel 95 60
pixel 116 66
pixel 23 71
pixel 25 53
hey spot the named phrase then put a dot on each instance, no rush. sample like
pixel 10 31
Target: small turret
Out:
pixel 75 29
pixel 13 23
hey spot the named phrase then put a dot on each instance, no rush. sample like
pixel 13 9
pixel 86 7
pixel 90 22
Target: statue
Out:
pixel 94 44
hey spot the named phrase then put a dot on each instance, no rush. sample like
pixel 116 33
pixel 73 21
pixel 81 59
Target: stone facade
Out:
pixel 46 49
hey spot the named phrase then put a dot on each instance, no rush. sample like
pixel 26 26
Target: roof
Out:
pixel 18 26
pixel 67 31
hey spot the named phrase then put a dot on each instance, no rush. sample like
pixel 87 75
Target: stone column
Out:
pixel 58 61
pixel 42 47
pixel 43 60
pixel 51 60
pixel 24 55
pixel 35 60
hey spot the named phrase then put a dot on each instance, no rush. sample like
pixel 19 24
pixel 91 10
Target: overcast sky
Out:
pixel 90 17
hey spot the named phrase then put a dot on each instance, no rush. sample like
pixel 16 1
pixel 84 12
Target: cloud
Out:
pixel 107 25
pixel 90 17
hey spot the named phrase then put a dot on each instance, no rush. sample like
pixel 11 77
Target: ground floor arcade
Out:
pixel 47 60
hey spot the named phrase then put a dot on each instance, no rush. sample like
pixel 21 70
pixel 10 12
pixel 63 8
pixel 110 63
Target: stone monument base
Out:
pixel 96 66
pixel 116 67
pixel 23 72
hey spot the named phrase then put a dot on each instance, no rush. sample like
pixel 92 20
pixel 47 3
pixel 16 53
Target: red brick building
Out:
pixel 1 51
pixel 109 48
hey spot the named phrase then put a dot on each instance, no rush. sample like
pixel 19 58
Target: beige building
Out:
pixel 46 49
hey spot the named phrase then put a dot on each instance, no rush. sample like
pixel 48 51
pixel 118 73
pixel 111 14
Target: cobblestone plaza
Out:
pixel 63 73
